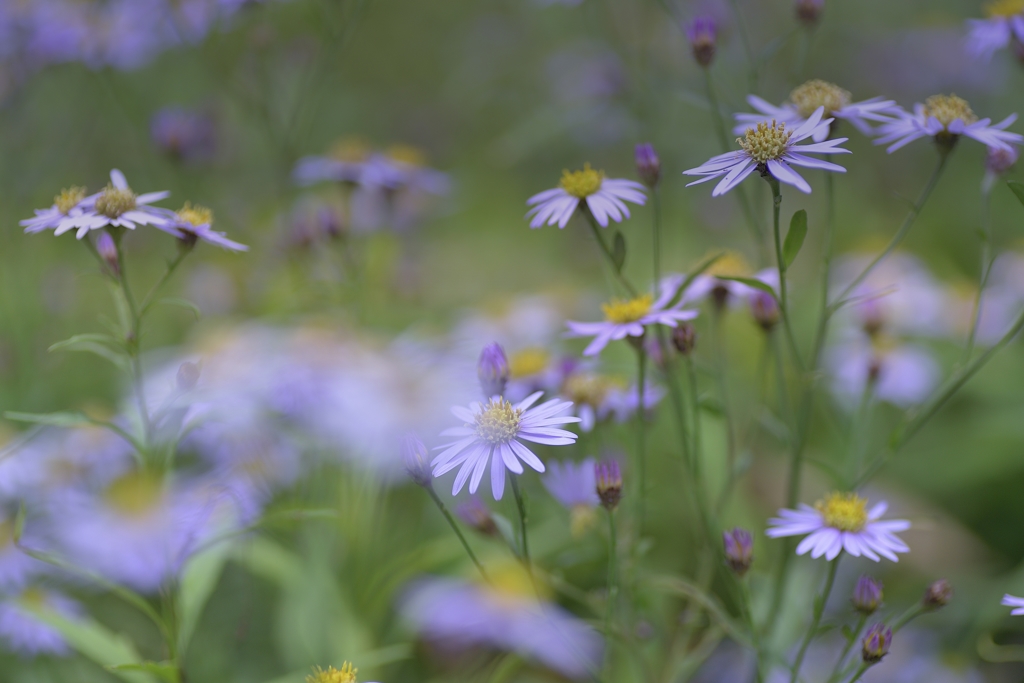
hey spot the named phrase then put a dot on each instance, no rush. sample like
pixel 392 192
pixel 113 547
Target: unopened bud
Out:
pixel 867 595
pixel 872 316
pixel 938 595
pixel 414 457
pixel 476 515
pixel 739 550
pixel 609 483
pixel 809 11
pixel 493 370
pixel 648 165
pixel 765 310
pixel 684 338
pixel 876 642
pixel 874 369
pixel 188 375
pixel 107 250
pixel 702 34
pixel 1000 160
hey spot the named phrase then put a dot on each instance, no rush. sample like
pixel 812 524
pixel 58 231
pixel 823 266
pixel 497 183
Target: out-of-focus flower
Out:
pixel 648 165
pixel 507 616
pixel 24 633
pixel 867 595
pixel 192 223
pixel 842 521
pixel 765 309
pixel 184 134
pixel 809 11
pixel 16 568
pixel 876 642
pixel 116 206
pixel 66 209
pixel 937 595
pixel 998 162
pixel 623 403
pixel 574 486
pixel 901 374
pixel 770 149
pixel 188 375
pixel 589 393
pixel 346 674
pixel 805 100
pixel 493 432
pixel 630 318
pixel 1004 24
pixel 702 33
pixel 609 483
pixel 946 118
pixel 415 457
pixel 477 516
pixel 107 250
pixel 585 190
pixel 684 338
pixel 739 550
pixel 1016 603
pixel 492 370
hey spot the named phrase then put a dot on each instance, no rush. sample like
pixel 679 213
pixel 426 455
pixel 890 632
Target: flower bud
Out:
pixel 648 165
pixel 609 483
pixel 188 375
pixel 999 161
pixel 476 515
pixel 867 595
pixel 493 370
pixel 765 310
pixel 107 250
pixel 702 34
pixel 414 457
pixel 739 550
pixel 809 11
pixel 876 643
pixel 684 338
pixel 938 595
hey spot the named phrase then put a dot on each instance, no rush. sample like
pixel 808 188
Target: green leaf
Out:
pixel 181 303
pixel 60 419
pixel 1017 188
pixel 162 670
pixel 619 251
pixel 198 580
pixel 795 237
pixel 116 356
pixel 848 632
pixel 751 282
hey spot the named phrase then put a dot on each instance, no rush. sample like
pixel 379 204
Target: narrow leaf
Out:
pixel 198 580
pixel 1018 189
pixel 115 355
pixel 751 282
pixel 182 303
pixel 162 670
pixel 619 251
pixel 59 419
pixel 795 237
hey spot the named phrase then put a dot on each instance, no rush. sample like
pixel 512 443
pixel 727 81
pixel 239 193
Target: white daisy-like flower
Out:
pixel 67 207
pixel 805 100
pixel 772 149
pixel 494 432
pixel 116 206
pixel 605 198
pixel 946 118
pixel 630 317
pixel 1003 25
pixel 1016 603
pixel 842 521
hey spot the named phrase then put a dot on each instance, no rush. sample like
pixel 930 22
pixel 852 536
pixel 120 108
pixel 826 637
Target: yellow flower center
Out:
pixel 627 310
pixel 581 183
pixel 843 511
pixel 589 389
pixel 581 519
pixel 499 422
pixel 195 215
pixel 817 93
pixel 407 154
pixel 949 108
pixel 1004 8
pixel 527 362
pixel 511 583
pixel 732 264
pixel 347 674
pixel 69 198
pixel 135 493
pixel 115 201
pixel 766 141
pixel 350 149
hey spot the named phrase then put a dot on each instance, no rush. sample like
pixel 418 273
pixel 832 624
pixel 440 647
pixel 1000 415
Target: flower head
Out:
pixel 1003 24
pixel 946 118
pixel 588 190
pixel 608 478
pixel 116 206
pixel 1016 603
pixel 67 206
pixel 937 595
pixel 192 223
pixel 475 514
pixel 492 369
pixel 494 432
pixel 648 165
pixel 809 11
pixel 574 486
pixel 414 456
pixel 867 595
pixel 770 148
pixel 23 632
pixel 702 33
pixel 875 643
pixel 739 550
pixel 842 521
pixel 346 674
pixel 684 338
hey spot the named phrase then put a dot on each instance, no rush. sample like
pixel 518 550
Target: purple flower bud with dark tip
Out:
pixel 703 35
pixel 876 642
pixel 765 310
pixel 999 160
pixel 188 375
pixel 684 338
pixel 648 165
pixel 867 595
pixel 415 459
pixel 739 550
pixel 609 483
pixel 107 250
pixel 938 595
pixel 809 11
pixel 493 370
pixel 476 515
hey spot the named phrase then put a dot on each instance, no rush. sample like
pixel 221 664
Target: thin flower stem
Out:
pixel 676 396
pixel 132 340
pixel 747 48
pixel 850 640
pixel 819 609
pixel 781 266
pixel 522 525
pixel 458 532
pixel 860 672
pixel 171 267
pixel 908 615
pixel 656 233
pixel 607 253
pixel 613 588
pixel 722 376
pixel 698 477
pixel 747 605
pixel 641 435
pixel 987 262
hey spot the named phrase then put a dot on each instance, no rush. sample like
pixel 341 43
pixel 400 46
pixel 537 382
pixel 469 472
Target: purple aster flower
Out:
pixel 623 403
pixel 630 318
pixel 702 33
pixel 842 521
pixel 493 432
pixel 67 208
pixel 509 617
pixel 770 149
pixel 192 223
pixel 945 118
pixel 24 633
pixel 572 484
pixel 901 374
pixel 805 100
pixel 1016 603
pixel 648 165
pixel 586 190
pixel 117 206
pixel 589 393
pixel 184 134
pixel 1004 24
pixel 475 514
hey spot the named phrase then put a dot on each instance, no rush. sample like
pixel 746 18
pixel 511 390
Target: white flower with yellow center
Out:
pixel 116 206
pixel 67 206
pixel 771 149
pixel 805 100
pixel 588 190
pixel 946 118
pixel 494 432
pixel 842 521
pixel 1004 24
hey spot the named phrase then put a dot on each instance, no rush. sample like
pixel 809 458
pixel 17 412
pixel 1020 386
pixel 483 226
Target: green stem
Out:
pixel 522 525
pixel 721 375
pixel 781 266
pixel 908 615
pixel 747 604
pixel 607 252
pixel 698 466
pixel 656 234
pixel 747 48
pixel 147 302
pixel 850 640
pixel 819 609
pixel 132 340
pixel 458 532
pixel 860 672
pixel 986 269
pixel 641 435
pixel 613 589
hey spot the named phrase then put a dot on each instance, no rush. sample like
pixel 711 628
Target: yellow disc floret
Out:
pixel 843 511
pixel 69 198
pixel 195 215
pixel 407 154
pixel 1004 8
pixel 627 310
pixel 581 183
pixel 134 493
pixel 527 362
pixel 589 389
pixel 817 93
pixel 731 264
pixel 949 108
pixel 765 142
pixel 347 674
pixel 499 422
pixel 114 201
pixel 351 149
